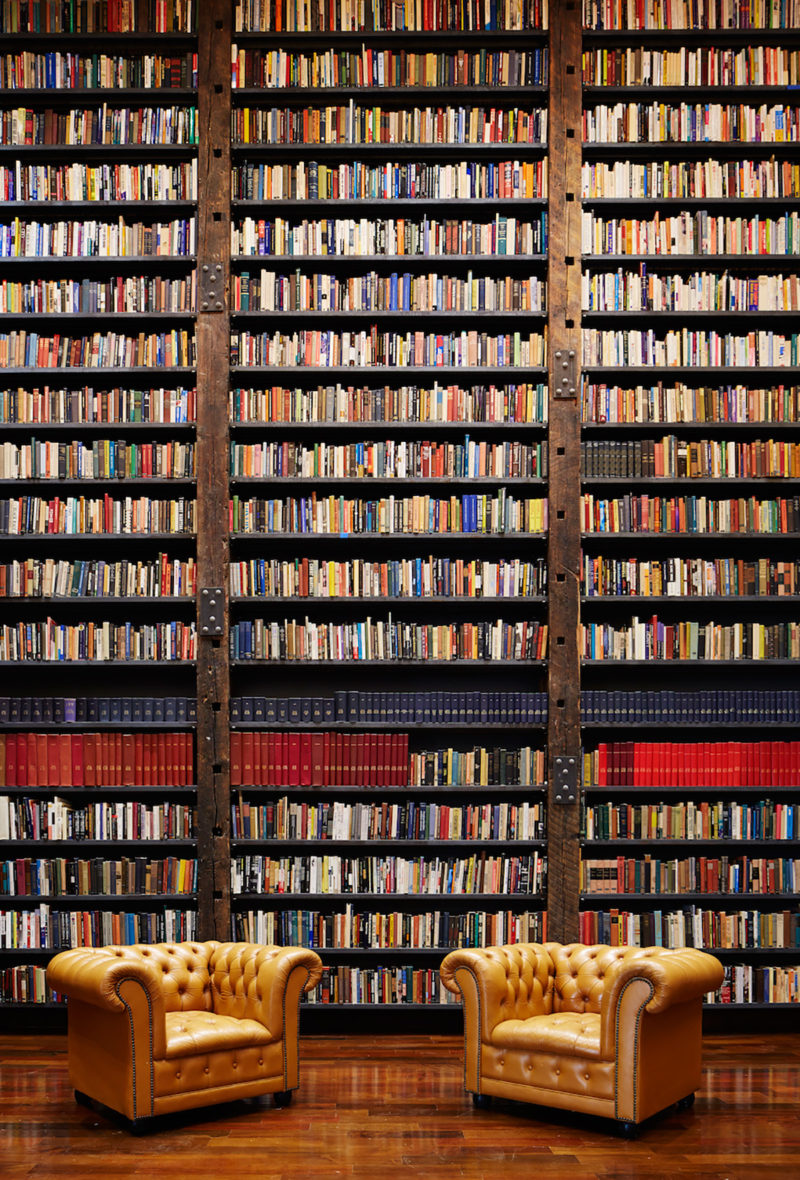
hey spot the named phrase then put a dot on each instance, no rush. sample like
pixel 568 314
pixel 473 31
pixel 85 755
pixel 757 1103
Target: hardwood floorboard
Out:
pixel 394 1106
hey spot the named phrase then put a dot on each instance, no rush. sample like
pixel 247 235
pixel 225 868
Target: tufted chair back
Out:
pixel 524 981
pixel 584 973
pixel 238 987
pixel 184 971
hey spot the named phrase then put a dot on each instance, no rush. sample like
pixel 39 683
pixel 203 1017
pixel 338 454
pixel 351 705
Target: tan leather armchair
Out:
pixel 610 1031
pixel 163 1028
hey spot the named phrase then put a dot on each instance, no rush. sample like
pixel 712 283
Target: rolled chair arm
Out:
pixel 93 976
pixel 256 982
pixel 677 976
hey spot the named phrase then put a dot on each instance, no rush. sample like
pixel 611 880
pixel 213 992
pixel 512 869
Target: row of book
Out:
pixel 49 928
pixel 26 876
pixel 352 928
pixel 706 179
pixel 391 986
pixel 375 68
pixel 420 577
pixel 102 759
pixel 640 290
pixel 745 983
pixel 765 820
pixel 652 639
pixel 659 15
pixel 696 874
pixel 346 16
pixel 390 515
pixel 770 764
pixel 351 237
pixel 741 706
pixel 701 122
pixel 79 515
pixel 691 348
pixel 318 759
pixel 128 294
pixel 386 640
pixel 677 402
pixel 101 459
pixel 525 402
pixel 692 926
pixel 463 875
pixel 55 70
pixel 390 459
pixel 56 819
pixel 356 125
pixel 79 710
pixel 753 65
pixel 96 578
pixel 285 820
pixel 689 514
pixel 701 234
pixel 99 126
pixel 368 706
pixel 679 458
pixel 84 181
pixel 691 577
pixel 101 350
pixel 360 180
pixel 92 16
pixel 269 291
pixel 102 641
pixel 87 405
pixel 479 767
pixel 332 349
pixel 91 238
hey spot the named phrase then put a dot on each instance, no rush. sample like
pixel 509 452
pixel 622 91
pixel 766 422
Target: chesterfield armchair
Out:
pixel 609 1031
pixel 164 1028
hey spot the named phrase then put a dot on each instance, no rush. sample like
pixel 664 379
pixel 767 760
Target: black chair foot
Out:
pixel 482 1101
pixel 686 1103
pixel 628 1130
pixel 82 1099
pixel 140 1126
pixel 282 1098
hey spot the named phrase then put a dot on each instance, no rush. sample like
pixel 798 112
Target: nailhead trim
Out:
pixel 642 1006
pixel 132 979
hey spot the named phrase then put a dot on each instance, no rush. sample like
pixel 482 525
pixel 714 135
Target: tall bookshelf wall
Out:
pixel 390 446
pixel 99 191
pixel 689 488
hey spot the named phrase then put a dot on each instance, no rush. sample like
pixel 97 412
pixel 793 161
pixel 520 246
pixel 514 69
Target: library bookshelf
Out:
pixel 445 473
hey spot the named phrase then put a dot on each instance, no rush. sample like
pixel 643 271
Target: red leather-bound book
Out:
pixel 138 760
pixel 236 758
pixel 318 759
pixel 90 759
pixel 76 757
pixel 305 759
pixel 293 769
pixel 247 757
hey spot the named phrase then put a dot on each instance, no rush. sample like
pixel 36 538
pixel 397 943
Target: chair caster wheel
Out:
pixel 628 1130
pixel 82 1099
pixel 482 1101
pixel 283 1097
pixel 686 1103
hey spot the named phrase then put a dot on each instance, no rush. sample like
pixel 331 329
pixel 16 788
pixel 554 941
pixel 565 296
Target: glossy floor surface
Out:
pixel 388 1106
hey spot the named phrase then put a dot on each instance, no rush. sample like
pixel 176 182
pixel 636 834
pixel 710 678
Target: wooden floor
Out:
pixel 389 1106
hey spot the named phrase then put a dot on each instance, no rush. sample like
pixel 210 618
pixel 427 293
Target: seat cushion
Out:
pixel 191 1033
pixel 573 1033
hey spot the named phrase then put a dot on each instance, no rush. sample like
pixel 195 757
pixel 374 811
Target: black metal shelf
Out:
pixel 375 794
pixel 394 899
pixel 488 481
pixel 744 898
pixel 370 427
pixel 307 95
pixel 684 845
pixel 239 844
